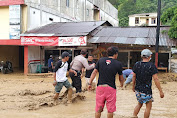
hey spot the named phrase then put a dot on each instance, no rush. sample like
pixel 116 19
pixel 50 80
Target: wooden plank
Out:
pixel 40 74
pixel 163 68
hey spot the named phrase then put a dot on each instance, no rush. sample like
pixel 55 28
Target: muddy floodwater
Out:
pixel 32 97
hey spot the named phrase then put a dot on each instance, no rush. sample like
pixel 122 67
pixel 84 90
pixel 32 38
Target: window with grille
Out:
pixel 153 21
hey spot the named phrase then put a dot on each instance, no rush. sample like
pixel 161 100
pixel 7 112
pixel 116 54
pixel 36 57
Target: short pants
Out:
pixel 129 78
pixel 76 82
pixel 105 94
pixel 60 85
pixel 143 98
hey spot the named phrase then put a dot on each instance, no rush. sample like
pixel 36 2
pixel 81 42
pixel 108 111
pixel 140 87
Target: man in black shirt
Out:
pixel 89 72
pixel 107 67
pixel 142 82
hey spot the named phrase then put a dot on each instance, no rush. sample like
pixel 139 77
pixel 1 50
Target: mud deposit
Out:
pixel 32 97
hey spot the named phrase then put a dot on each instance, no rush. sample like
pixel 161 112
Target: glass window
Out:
pixel 67 3
pixel 87 12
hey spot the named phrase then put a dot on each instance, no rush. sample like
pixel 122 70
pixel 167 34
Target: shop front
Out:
pixel 38 50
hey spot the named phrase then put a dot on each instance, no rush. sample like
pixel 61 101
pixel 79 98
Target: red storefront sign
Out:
pixel 39 41
pixel 11 2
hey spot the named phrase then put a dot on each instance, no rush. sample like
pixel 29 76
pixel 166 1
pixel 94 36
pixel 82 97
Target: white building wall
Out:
pixel 34 18
pixel 78 10
pixel 132 21
pixel 47 18
pixel 89 11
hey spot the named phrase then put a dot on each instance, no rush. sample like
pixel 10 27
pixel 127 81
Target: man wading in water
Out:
pixel 60 78
pixel 107 67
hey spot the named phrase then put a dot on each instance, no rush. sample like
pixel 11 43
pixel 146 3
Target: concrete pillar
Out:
pixel 28 17
pixel 72 54
pixel 25 60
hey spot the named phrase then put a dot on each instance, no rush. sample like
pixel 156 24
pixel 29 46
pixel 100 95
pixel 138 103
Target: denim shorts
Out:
pixel 129 79
pixel 143 98
pixel 60 85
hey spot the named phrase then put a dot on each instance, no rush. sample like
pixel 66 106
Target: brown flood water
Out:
pixel 31 97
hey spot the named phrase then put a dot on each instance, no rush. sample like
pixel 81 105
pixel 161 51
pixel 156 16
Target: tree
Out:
pixel 170 17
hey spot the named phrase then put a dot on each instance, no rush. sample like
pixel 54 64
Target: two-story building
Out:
pixel 19 16
pixel 145 19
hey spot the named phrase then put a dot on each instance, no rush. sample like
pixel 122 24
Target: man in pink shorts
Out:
pixel 107 67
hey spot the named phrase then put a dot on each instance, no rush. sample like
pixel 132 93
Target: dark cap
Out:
pixel 65 54
pixel 112 51
pixel 84 51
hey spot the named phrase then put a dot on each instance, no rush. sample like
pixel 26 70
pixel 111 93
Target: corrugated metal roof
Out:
pixel 132 35
pixel 66 29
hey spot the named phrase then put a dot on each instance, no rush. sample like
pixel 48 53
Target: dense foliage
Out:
pixel 129 7
pixel 170 17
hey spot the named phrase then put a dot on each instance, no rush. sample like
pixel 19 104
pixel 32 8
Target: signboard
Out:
pixel 72 41
pixel 14 21
pixel 39 41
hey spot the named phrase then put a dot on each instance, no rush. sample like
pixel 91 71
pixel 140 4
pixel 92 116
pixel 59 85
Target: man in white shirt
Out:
pixel 60 78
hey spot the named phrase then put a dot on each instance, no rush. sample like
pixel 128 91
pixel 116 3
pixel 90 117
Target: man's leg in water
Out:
pixel 97 114
pixel 70 92
pixel 110 115
pixel 137 109
pixel 56 96
pixel 148 109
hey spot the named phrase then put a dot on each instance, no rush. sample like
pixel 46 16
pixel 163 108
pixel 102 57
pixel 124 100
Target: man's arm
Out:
pixel 55 81
pixel 83 70
pixel 134 82
pixel 95 71
pixel 52 65
pixel 121 80
pixel 86 65
pixel 73 71
pixel 157 83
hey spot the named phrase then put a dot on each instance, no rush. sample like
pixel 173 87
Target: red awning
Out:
pixel 11 2
pixel 10 42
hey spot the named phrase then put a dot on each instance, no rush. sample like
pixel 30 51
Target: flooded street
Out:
pixel 31 97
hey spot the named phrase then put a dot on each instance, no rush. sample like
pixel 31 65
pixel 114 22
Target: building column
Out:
pixel 169 62
pixel 25 60
pixel 128 60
